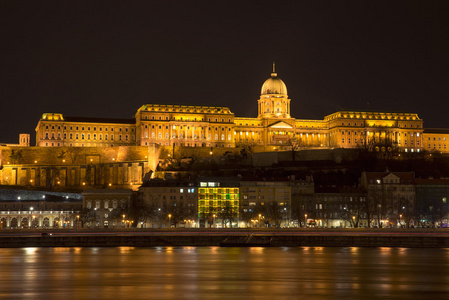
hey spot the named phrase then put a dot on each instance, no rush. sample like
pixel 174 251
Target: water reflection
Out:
pixel 222 273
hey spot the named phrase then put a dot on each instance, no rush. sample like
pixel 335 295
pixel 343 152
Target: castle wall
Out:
pixel 76 167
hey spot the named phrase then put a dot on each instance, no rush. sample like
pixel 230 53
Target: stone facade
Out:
pixel 205 126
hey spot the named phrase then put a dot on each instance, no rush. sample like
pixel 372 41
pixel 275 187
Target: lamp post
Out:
pixel 400 220
pixel 213 224
pixel 305 220
pixel 169 220
pixel 353 221
pixel 259 219
pixel 379 206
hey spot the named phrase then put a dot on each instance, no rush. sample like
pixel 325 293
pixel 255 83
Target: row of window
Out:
pixel 434 138
pixel 106 204
pixel 181 136
pixel 362 133
pixel 188 127
pixel 355 141
pixel 435 146
pixel 83 136
pixel 160 118
pixel 126 129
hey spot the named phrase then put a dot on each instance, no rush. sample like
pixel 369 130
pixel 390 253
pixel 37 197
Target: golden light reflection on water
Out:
pixel 256 250
pixel 402 251
pixel 214 250
pixel 187 248
pixel 219 273
pixel 354 250
pixel 125 250
pixel 62 249
pixel 30 251
pixel 385 250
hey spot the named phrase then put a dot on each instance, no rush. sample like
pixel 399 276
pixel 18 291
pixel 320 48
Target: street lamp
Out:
pixel 214 222
pixel 169 220
pixel 305 220
pixel 259 219
pixel 353 221
pixel 400 220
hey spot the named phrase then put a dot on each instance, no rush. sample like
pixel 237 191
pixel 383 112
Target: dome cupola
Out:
pixel 274 102
pixel 274 85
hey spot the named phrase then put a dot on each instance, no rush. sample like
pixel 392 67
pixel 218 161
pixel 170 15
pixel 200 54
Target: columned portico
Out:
pixel 36 219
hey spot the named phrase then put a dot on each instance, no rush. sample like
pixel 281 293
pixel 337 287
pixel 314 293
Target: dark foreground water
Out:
pixel 224 273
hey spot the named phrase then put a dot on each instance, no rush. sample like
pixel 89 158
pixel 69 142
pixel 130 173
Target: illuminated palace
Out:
pixel 205 126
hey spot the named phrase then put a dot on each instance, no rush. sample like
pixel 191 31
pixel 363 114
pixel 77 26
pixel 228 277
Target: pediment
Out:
pixel 391 176
pixel 281 125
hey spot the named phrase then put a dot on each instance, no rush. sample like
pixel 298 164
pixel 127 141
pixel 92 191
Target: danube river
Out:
pixel 224 273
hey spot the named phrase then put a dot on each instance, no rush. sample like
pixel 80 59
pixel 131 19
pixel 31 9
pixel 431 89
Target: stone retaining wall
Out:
pixel 215 240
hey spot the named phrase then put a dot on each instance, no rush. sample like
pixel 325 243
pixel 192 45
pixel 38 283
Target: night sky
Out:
pixel 107 58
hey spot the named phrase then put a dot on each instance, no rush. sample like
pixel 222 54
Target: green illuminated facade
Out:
pixel 218 198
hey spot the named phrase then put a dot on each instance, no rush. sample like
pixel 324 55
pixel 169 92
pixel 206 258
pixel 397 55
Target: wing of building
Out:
pixel 206 126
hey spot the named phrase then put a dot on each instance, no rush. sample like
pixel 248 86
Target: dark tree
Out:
pixel 16 156
pixel 227 213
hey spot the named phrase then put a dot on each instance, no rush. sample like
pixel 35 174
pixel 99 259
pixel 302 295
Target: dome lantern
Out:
pixel 274 85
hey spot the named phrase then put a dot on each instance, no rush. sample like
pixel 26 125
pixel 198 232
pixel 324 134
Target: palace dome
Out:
pixel 274 85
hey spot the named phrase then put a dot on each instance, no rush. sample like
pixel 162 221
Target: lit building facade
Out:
pixel 106 207
pixel 55 130
pixel 266 202
pixel 205 126
pixel 218 202
pixel 339 209
pixel 391 198
pixel 436 140
pixel 27 209
pixel 171 203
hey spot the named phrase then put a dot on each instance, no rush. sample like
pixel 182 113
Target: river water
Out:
pixel 224 273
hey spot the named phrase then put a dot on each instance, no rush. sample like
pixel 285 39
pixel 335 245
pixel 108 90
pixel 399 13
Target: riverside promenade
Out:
pixel 263 237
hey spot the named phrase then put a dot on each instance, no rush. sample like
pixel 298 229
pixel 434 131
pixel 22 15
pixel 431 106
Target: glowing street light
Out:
pixel 260 215
pixel 214 221
pixel 169 220
pixel 305 220
pixel 353 221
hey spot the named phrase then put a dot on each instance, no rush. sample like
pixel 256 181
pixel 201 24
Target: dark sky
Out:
pixel 107 58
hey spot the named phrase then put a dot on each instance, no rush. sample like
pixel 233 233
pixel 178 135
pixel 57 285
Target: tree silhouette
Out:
pixel 16 156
